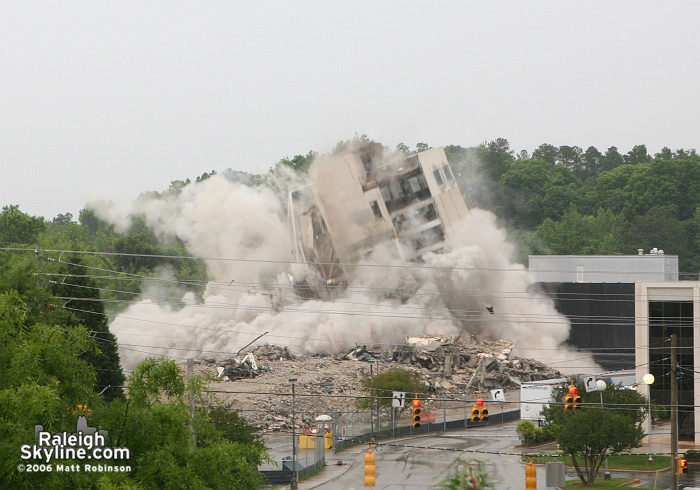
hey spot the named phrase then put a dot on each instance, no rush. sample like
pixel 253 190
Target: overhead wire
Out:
pixel 448 313
pixel 467 315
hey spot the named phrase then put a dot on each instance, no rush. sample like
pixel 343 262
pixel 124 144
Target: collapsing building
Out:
pixel 359 199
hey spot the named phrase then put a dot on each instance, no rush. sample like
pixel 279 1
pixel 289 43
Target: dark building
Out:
pixel 597 295
pixel 602 319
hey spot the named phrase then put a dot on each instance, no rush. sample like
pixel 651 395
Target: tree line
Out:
pixel 563 200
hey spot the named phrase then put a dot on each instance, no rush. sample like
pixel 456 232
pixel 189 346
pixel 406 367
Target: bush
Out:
pixel 529 434
pixel 662 412
pixel 526 430
pixel 548 433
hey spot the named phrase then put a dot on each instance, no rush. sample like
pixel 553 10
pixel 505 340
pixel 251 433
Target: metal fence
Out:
pixel 356 430
pixel 309 461
pixel 361 427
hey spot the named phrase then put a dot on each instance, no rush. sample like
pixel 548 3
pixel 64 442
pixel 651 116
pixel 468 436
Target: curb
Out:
pixel 345 469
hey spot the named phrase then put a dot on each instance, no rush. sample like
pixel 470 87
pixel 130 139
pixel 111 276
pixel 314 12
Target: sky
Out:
pixel 106 100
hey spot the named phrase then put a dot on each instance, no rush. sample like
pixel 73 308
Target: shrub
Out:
pixel 662 412
pixel 527 431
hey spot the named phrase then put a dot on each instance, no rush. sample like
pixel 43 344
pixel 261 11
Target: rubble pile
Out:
pixel 269 352
pixel 450 364
pixel 258 384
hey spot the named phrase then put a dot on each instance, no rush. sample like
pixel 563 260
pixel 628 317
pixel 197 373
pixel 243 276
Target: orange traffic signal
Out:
pixel 572 400
pixel 530 477
pixel 475 414
pixel 415 417
pixel 370 469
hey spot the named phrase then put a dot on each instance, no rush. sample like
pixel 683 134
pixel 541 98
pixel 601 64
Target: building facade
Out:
pixel 652 266
pixel 362 198
pixel 661 310
pixel 597 294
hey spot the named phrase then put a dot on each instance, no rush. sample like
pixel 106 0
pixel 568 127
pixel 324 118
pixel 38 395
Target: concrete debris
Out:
pixel 240 368
pixel 453 367
pixel 271 352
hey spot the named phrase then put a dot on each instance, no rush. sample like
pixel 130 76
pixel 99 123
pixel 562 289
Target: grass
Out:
pixel 635 462
pixel 600 483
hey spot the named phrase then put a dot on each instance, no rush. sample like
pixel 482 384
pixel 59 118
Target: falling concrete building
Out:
pixel 361 198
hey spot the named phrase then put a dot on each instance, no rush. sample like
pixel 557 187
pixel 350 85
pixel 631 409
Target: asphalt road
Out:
pixel 422 462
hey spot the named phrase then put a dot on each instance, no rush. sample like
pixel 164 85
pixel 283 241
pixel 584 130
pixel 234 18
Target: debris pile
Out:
pixel 269 352
pixel 240 368
pixel 258 384
pixel 450 364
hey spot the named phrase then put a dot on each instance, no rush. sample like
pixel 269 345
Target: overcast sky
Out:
pixel 105 100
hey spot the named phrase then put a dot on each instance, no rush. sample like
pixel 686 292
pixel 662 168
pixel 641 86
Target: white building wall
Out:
pixel 665 291
pixel 448 199
pixel 603 268
pixel 337 186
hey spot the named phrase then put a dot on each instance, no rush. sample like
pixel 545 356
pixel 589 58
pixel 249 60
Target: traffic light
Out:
pixel 530 476
pixel 415 417
pixel 569 402
pixel 682 466
pixel 483 411
pixel 475 413
pixel 370 468
pixel 572 399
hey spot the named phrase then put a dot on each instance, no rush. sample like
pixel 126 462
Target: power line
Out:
pixel 521 269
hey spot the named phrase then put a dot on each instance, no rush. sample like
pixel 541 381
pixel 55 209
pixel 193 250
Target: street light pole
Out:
pixel 674 415
pixel 295 480
pixel 649 380
pixel 601 385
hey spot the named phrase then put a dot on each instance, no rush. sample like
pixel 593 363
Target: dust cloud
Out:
pixel 241 234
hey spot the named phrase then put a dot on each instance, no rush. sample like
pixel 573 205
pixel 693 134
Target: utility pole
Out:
pixel 190 374
pixel 379 413
pixel 371 404
pixel 37 249
pixel 295 476
pixel 674 415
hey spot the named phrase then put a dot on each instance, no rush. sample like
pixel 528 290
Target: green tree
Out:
pixel 612 159
pixel 533 190
pixel 592 161
pixel 381 387
pixel 83 307
pixel 636 155
pixel 495 157
pixel 596 430
pixel 575 234
pixel 571 157
pixel 44 381
pixel 169 447
pixel 18 228
pixel 546 152
pixel 403 149
pixel 299 163
pixel 660 228
pixel 63 219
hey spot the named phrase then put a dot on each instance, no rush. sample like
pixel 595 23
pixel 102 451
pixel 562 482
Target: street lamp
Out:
pixel 649 380
pixel 601 385
pixel 295 480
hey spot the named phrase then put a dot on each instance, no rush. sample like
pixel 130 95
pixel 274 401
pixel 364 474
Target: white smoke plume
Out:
pixel 242 234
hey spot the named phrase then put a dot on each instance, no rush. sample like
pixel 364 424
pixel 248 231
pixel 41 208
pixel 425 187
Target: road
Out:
pixel 422 462
pixel 412 464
